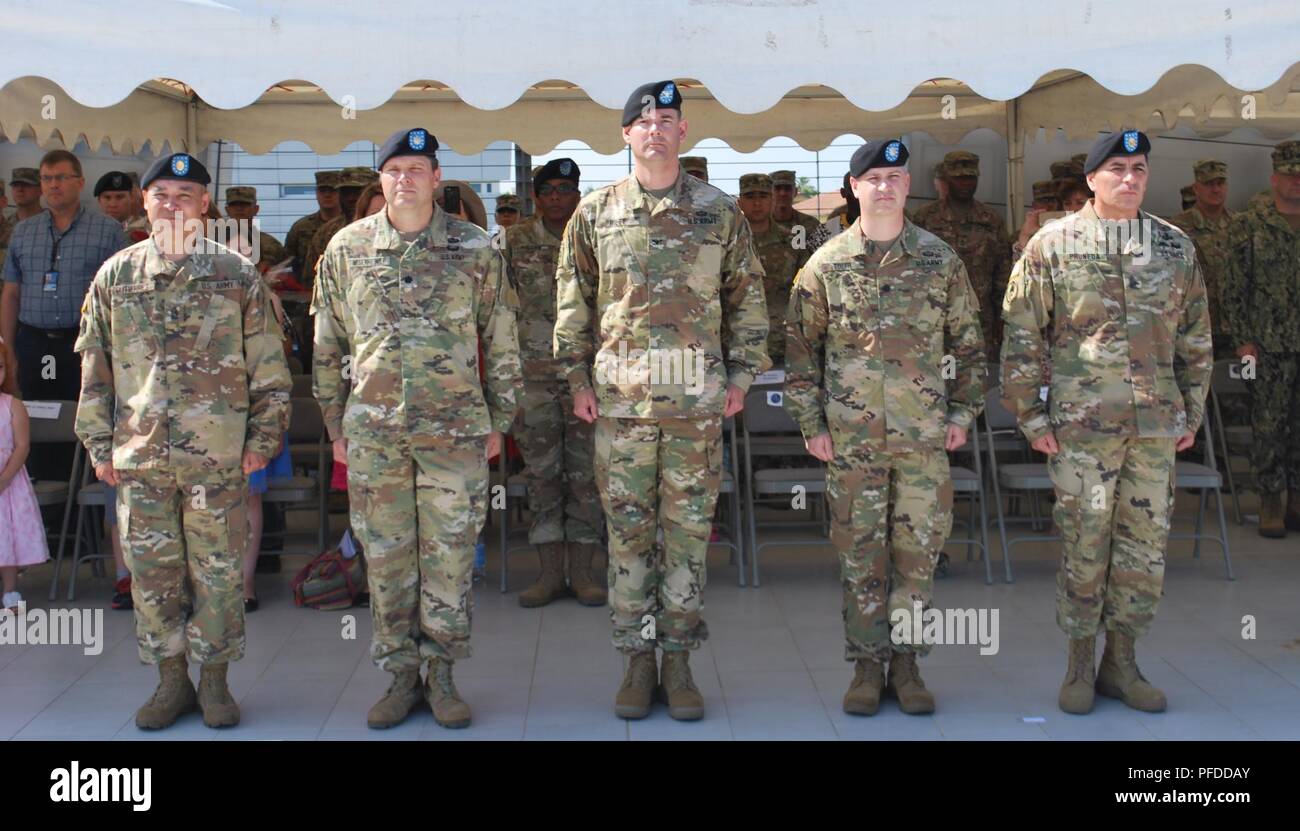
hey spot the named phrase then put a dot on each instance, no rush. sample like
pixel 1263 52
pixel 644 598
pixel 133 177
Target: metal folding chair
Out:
pixel 58 430
pixel 1204 478
pixel 92 500
pixel 1026 477
pixel 970 483
pixel 307 431
pixel 767 429
pixel 1226 382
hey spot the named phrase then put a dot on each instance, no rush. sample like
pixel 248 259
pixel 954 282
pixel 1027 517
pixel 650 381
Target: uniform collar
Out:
pixel 433 236
pixel 906 244
pixel 195 267
pixel 679 192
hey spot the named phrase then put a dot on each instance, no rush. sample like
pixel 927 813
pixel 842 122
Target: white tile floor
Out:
pixel 772 668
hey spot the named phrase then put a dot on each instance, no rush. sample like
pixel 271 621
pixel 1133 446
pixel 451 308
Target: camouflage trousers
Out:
pixel 1114 498
pixel 417 506
pixel 890 515
pixel 183 536
pixel 557 447
pixel 1275 421
pixel 658 480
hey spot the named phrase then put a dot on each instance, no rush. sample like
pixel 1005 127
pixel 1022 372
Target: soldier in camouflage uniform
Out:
pixel 979 236
pixel 777 252
pixel 697 166
pixel 403 299
pixel 1114 297
pixel 352 180
pixel 783 193
pixel 507 211
pixel 1187 193
pixel 241 205
pixel 660 296
pixel 1263 305
pixel 1207 224
pixel 885 374
pixel 113 193
pixel 185 391
pixel 25 186
pixel 557 445
pixel 301 232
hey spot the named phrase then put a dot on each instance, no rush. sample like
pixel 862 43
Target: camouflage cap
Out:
pixel 1080 159
pixel 327 178
pixel 961 163
pixel 357 177
pixel 1045 190
pixel 938 170
pixel 1076 167
pixel 508 202
pixel 1061 169
pixel 25 176
pixel 781 177
pixel 755 183
pixel 241 194
pixel 695 164
pixel 1207 170
pixel 1286 157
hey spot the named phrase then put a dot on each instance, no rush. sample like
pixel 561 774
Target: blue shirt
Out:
pixel 90 240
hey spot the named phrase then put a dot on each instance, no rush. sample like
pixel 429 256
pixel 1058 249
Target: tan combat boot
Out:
pixel 449 709
pixel 1270 516
pixel 1078 689
pixel 581 578
pixel 639 682
pixel 550 583
pixel 402 695
pixel 218 705
pixel 1120 678
pixel 677 688
pixel 173 697
pixel 906 684
pixel 1292 521
pixel 863 697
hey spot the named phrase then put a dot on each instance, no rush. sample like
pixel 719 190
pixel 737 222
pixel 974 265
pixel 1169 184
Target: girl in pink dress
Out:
pixel 22 534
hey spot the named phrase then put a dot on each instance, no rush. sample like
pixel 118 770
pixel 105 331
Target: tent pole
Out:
pixel 1015 167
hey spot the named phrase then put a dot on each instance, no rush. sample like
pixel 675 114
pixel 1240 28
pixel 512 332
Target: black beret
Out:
pixel 415 141
pixel 1126 143
pixel 878 153
pixel 113 180
pixel 557 169
pixel 180 166
pixel 662 95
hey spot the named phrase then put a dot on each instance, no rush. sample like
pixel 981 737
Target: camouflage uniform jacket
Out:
pixel 531 253
pixel 680 279
pixel 781 262
pixel 884 350
pixel 398 329
pixel 1128 332
pixel 1263 285
pixel 182 363
pixel 1211 238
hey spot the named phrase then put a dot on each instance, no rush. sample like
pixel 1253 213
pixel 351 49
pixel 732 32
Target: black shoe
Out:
pixel 250 604
pixel 267 564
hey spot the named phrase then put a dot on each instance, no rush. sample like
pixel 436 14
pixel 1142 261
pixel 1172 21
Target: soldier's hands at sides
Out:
pixel 956 437
pixel 106 474
pixel 1185 441
pixel 735 401
pixel 820 446
pixel 1047 444
pixel 584 405
pixel 341 451
pixel 493 443
pixel 1248 350
pixel 254 462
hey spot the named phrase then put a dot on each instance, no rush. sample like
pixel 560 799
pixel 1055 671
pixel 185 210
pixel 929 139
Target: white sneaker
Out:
pixel 11 600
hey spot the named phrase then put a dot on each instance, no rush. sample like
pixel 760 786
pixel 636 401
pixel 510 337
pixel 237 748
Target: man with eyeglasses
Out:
pixel 557 445
pixel 51 261
pixel 661 328
pixel 301 232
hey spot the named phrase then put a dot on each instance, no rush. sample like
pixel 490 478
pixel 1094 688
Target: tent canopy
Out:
pixel 751 70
